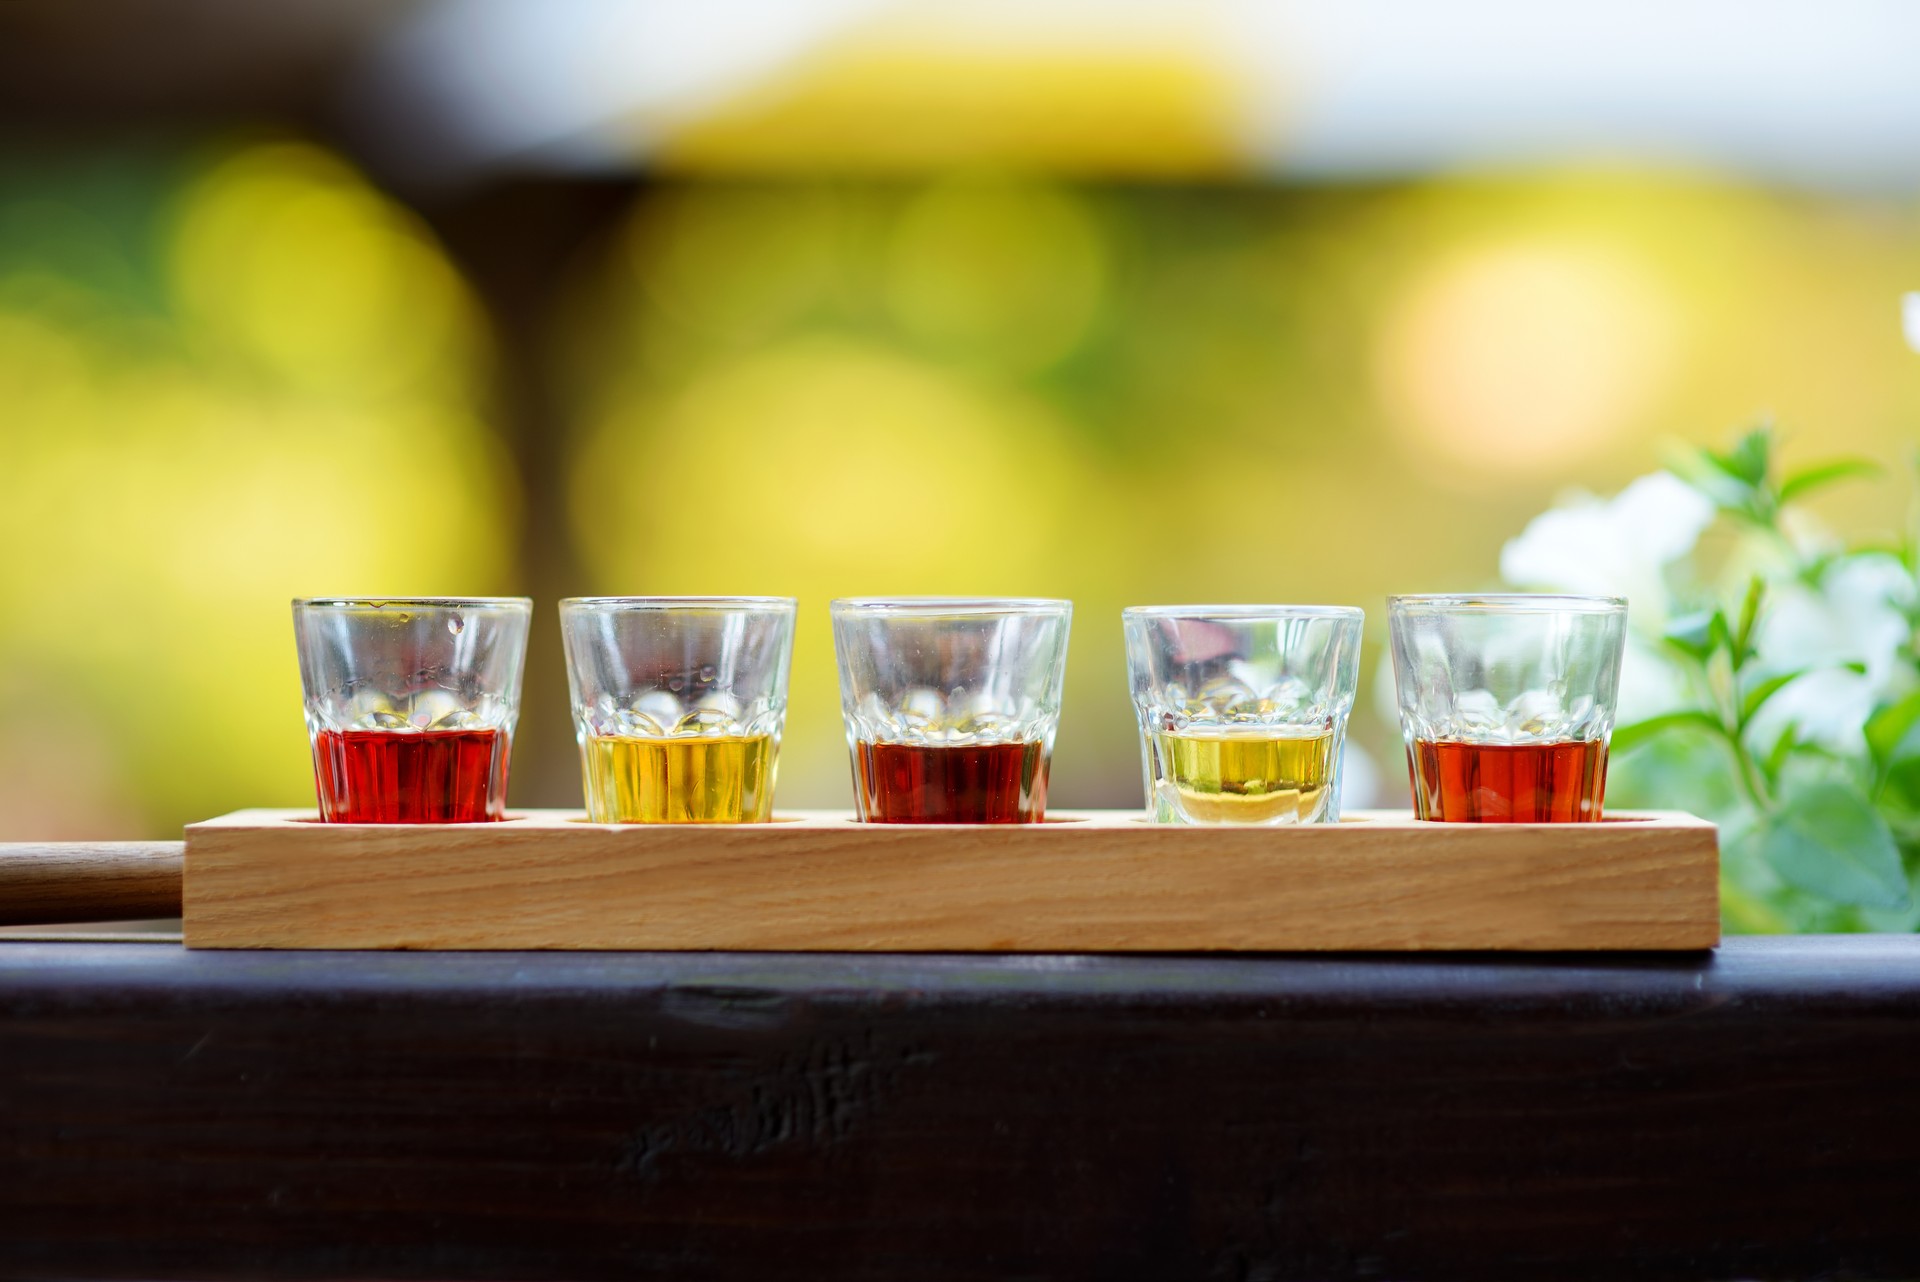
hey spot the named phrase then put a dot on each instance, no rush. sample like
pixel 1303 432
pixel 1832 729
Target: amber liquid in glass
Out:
pixel 1260 777
pixel 1553 783
pixel 997 783
pixel 411 777
pixel 717 779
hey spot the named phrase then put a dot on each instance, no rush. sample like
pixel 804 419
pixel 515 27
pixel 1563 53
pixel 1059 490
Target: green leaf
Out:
pixel 1757 695
pixel 1900 786
pixel 1628 737
pixel 1820 476
pixel 1782 749
pixel 1713 476
pixel 1721 631
pixel 1894 731
pixel 1749 458
pixel 1813 568
pixel 1829 841
pixel 1740 641
pixel 1695 635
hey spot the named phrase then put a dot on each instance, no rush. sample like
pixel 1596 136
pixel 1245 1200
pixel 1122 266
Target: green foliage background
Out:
pixel 1818 833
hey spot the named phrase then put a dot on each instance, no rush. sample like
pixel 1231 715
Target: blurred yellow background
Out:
pixel 235 368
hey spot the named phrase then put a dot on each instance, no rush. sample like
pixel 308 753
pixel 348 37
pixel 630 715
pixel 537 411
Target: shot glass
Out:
pixel 411 703
pixel 1243 709
pixel 951 705
pixel 678 703
pixel 1506 703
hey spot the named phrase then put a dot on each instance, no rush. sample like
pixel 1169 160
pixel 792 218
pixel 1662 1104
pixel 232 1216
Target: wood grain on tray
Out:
pixel 1103 881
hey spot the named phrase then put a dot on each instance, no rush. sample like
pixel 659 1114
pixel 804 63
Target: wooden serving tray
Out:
pixel 1086 881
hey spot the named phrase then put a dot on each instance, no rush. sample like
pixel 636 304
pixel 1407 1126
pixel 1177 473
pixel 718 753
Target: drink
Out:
pixel 411 777
pixel 410 703
pixel 996 783
pixel 1243 709
pixel 1506 702
pixel 679 704
pixel 1255 777
pixel 1458 782
pixel 715 779
pixel 950 705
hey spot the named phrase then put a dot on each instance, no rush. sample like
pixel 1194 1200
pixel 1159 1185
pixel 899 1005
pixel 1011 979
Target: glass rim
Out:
pixel 413 602
pixel 610 604
pixel 1208 613
pixel 1507 603
pixel 944 606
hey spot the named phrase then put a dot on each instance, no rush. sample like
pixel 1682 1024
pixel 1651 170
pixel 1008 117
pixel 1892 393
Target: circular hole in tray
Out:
pixel 851 822
pixel 777 819
pixel 1345 819
pixel 1605 819
pixel 316 819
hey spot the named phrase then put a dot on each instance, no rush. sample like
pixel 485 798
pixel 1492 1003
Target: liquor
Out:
pixel 411 777
pixel 701 779
pixel 995 783
pixel 1561 782
pixel 1263 776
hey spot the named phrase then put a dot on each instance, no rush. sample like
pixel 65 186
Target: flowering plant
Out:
pixel 1771 680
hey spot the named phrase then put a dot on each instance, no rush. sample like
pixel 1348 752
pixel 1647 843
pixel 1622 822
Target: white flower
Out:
pixel 1910 319
pixel 1617 547
pixel 1855 616
pixel 1650 682
pixel 1829 707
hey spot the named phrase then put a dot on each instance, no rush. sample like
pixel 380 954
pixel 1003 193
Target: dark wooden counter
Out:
pixel 166 1114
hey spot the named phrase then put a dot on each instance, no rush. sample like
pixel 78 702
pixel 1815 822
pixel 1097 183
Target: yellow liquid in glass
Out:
pixel 1257 777
pixel 705 780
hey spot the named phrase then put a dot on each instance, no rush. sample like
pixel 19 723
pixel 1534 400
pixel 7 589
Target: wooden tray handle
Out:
pixel 73 881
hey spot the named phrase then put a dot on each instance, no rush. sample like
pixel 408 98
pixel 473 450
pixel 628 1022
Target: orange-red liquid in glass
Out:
pixel 411 777
pixel 997 783
pixel 1508 782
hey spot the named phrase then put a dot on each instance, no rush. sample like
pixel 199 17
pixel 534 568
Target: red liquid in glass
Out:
pixel 411 777
pixel 1508 782
pixel 999 783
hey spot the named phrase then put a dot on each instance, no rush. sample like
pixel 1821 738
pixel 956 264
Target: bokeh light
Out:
pixel 1526 359
pixel 251 378
pixel 1009 274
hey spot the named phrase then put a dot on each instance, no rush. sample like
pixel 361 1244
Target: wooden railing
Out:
pixel 1753 1112
pixel 84 881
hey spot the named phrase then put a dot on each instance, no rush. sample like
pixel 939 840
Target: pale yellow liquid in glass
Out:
pixel 706 779
pixel 1255 777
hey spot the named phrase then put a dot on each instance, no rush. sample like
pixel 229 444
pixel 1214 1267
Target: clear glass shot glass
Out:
pixel 679 704
pixel 1243 709
pixel 411 703
pixel 951 704
pixel 1506 703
